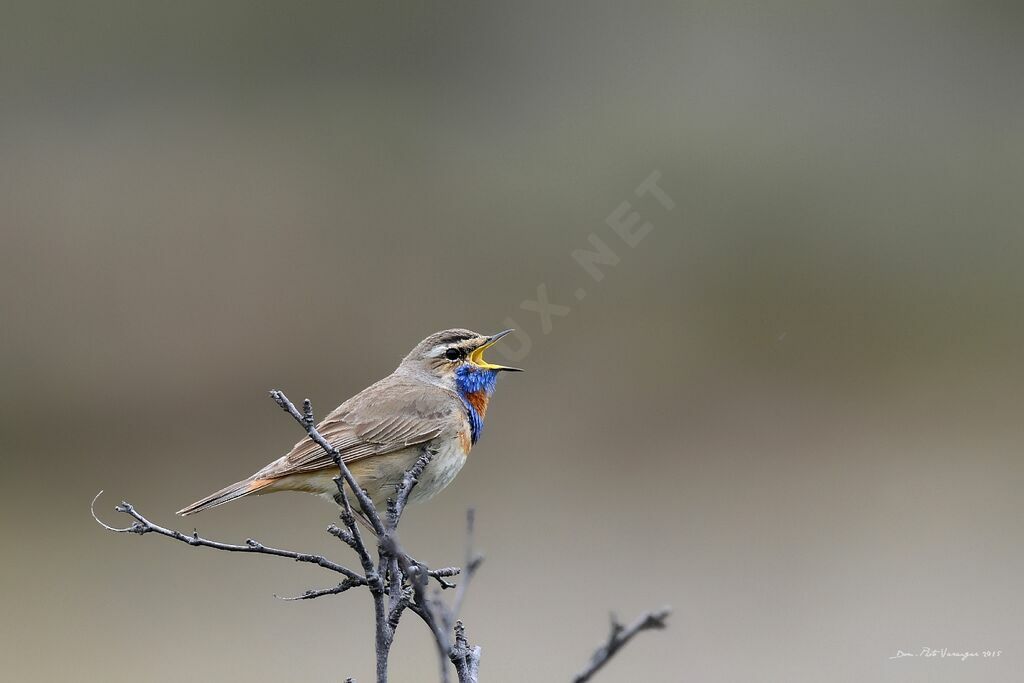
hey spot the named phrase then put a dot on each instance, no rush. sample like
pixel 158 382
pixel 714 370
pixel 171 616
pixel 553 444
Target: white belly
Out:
pixel 381 473
pixel 441 470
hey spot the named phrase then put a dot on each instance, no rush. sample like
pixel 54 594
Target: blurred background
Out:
pixel 792 411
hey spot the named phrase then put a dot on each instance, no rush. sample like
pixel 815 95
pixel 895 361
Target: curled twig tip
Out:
pixel 92 510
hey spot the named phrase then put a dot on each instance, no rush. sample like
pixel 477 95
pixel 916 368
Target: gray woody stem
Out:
pixel 442 620
pixel 306 420
pixel 144 526
pixel 384 622
pixel 617 639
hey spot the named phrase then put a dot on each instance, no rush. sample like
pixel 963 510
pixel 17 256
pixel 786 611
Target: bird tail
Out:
pixel 226 495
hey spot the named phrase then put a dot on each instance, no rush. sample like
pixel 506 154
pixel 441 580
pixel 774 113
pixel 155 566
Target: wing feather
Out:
pixel 389 416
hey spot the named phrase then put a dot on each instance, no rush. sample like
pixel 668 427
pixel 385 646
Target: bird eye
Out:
pixel 453 354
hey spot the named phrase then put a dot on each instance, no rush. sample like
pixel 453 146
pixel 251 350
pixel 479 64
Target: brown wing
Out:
pixel 393 414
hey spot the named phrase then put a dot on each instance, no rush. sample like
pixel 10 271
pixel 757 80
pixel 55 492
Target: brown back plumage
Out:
pixel 397 412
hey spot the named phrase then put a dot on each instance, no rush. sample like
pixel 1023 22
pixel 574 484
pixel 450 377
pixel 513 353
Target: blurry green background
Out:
pixel 793 411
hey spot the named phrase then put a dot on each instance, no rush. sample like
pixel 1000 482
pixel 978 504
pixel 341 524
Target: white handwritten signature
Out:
pixel 946 653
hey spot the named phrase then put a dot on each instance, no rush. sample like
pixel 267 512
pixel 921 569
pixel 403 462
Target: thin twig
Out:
pixel 424 610
pixel 442 620
pixel 353 538
pixel 313 594
pixel 473 562
pixel 618 637
pixel 404 489
pixel 465 658
pixel 305 419
pixel 384 634
pixel 143 526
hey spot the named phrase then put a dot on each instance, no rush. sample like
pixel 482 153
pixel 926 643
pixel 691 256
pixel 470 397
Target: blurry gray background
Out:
pixel 793 411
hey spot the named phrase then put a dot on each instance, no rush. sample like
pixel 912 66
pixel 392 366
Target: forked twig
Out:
pixel 617 639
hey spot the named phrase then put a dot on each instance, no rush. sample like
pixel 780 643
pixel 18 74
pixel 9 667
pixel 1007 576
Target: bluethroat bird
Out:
pixel 435 399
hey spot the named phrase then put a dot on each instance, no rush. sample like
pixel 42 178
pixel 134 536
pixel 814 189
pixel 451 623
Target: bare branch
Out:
pixel 441 620
pixel 399 609
pixel 465 658
pixel 473 562
pixel 351 537
pixel 306 420
pixel 405 487
pixel 143 526
pixel 384 634
pixel 423 608
pixel 313 594
pixel 618 637
pixel 440 575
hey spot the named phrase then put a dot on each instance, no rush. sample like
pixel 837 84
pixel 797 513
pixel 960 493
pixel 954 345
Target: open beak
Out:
pixel 477 357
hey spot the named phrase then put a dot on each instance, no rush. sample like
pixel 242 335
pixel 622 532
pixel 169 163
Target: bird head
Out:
pixel 456 355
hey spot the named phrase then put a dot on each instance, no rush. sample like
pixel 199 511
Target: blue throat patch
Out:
pixel 470 380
